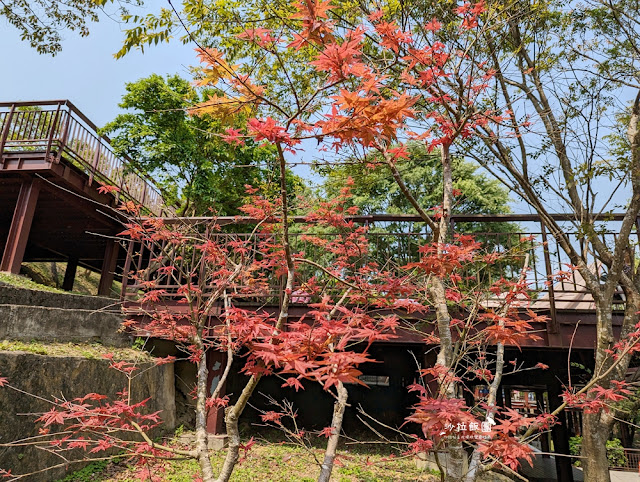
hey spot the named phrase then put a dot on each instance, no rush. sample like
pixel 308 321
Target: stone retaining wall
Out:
pixel 26 323
pixel 10 295
pixel 68 377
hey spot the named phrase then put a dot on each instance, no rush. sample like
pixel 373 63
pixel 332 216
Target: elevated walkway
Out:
pixel 60 182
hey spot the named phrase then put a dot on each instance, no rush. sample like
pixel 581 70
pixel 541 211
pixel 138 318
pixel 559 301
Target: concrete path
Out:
pixel 544 470
pixel 617 476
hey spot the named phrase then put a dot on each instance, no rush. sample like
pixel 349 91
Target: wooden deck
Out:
pixel 53 166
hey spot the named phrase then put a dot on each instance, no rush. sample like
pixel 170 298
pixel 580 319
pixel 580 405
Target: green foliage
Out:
pixel 615 451
pixel 216 23
pixel 139 343
pixel 42 276
pixel 179 431
pixel 90 351
pixel 375 190
pixel 42 22
pixel 275 461
pixel 195 168
pixel 23 282
pixel 88 473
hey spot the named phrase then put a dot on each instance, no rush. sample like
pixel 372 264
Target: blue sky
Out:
pixel 85 72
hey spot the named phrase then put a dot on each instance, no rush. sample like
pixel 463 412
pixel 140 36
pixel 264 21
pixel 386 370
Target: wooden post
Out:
pixel 108 267
pixel 5 131
pixel 94 165
pixel 216 361
pixel 65 135
pixel 560 435
pixel 544 436
pixel 507 396
pixel 552 327
pixel 52 133
pixel 70 273
pixel 20 226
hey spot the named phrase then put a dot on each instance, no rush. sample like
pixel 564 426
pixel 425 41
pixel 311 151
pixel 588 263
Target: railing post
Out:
pixel 63 141
pixel 553 326
pixel 52 132
pixel 144 192
pixel 96 160
pixel 5 131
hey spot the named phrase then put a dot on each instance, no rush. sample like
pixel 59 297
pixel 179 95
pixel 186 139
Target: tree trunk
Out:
pixel 596 428
pixel 232 414
pixel 456 453
pixel 339 407
pixel 233 433
pixel 202 438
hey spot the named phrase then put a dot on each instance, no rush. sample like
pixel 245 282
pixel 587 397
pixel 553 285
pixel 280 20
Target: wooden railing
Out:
pixel 516 235
pixel 631 461
pixel 59 131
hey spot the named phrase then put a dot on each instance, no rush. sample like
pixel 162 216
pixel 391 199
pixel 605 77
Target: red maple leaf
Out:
pixel 233 136
pixel 52 416
pixel 106 189
pixel 326 432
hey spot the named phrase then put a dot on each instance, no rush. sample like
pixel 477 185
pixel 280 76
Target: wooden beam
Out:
pixel 70 273
pixel 108 267
pixel 20 226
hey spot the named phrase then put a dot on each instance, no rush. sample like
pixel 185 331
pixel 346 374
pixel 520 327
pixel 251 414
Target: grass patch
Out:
pixel 20 281
pixel 279 462
pixel 88 473
pixel 92 351
pixel 42 276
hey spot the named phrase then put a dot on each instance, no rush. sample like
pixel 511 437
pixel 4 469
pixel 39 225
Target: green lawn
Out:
pixel 49 276
pixel 276 462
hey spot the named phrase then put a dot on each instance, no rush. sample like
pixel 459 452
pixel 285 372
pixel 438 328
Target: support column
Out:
pixel 560 435
pixel 507 396
pixel 70 273
pixel 20 226
pixel 429 380
pixel 545 446
pixel 216 361
pixel 108 267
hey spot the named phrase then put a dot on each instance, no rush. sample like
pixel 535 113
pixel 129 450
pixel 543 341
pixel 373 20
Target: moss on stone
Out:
pixel 80 350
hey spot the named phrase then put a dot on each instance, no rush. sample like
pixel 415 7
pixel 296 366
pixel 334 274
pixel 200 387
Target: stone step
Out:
pixel 10 295
pixel 46 323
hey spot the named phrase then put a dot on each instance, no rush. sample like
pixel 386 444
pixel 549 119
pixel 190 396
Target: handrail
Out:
pixel 404 218
pixel 547 259
pixel 67 132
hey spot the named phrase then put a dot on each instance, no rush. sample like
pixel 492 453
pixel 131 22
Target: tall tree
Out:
pixel 375 191
pixel 188 157
pixel 558 76
pixel 572 72
pixel 358 106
